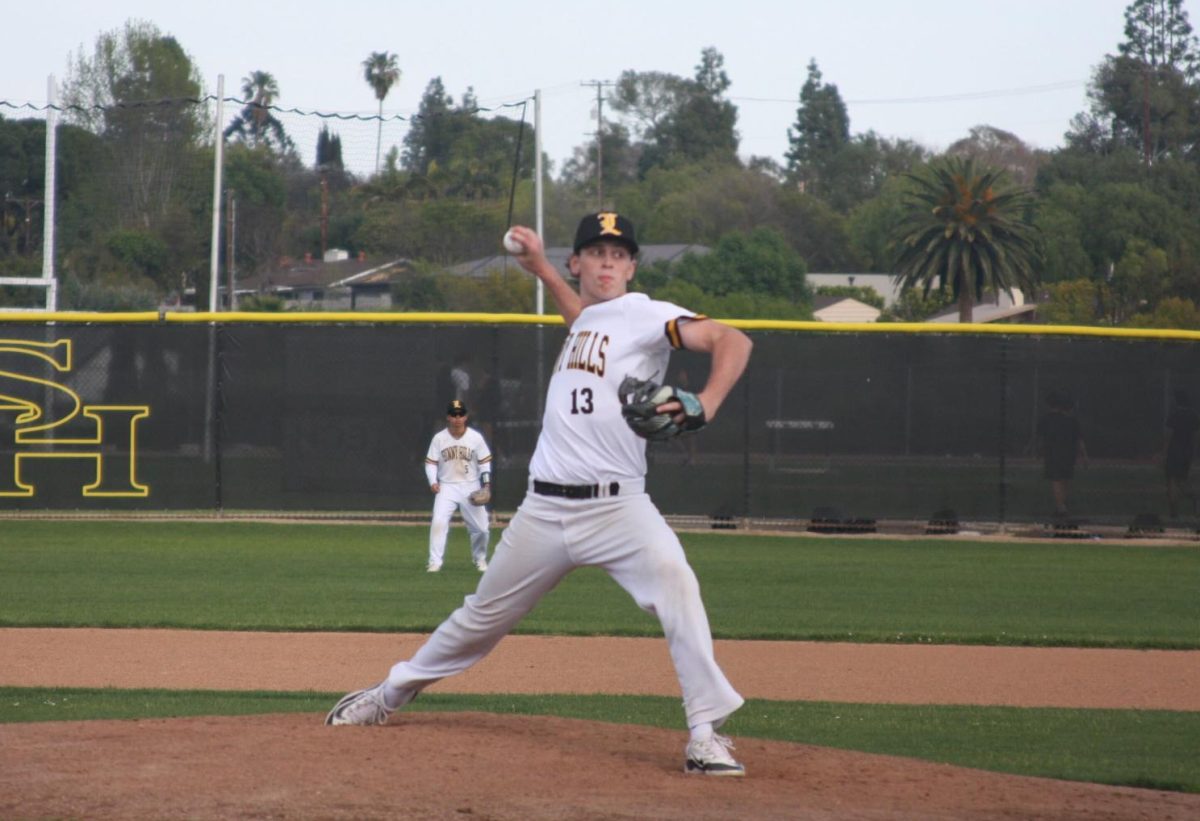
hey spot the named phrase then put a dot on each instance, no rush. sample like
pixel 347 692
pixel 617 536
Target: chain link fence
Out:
pixel 828 431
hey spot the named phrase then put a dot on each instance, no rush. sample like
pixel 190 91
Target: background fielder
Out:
pixel 458 468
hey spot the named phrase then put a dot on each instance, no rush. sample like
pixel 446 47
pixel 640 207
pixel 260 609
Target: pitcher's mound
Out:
pixel 483 766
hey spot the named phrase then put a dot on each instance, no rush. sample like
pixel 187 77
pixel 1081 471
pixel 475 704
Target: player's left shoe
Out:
pixel 362 708
pixel 481 565
pixel 711 757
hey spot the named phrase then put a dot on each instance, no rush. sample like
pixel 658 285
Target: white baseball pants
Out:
pixel 547 539
pixel 452 495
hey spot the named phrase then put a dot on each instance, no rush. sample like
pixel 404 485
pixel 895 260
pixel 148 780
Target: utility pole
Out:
pixel 600 86
pixel 1147 147
pixel 324 214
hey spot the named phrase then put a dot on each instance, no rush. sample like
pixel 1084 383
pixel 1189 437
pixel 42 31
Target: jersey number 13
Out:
pixel 581 400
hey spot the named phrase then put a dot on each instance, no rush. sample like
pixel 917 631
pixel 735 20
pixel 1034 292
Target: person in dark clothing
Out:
pixel 1178 450
pixel 1061 444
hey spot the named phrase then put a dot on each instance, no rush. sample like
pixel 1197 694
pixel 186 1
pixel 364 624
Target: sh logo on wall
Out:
pixel 43 419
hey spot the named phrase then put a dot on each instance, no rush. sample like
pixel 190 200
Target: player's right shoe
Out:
pixel 362 708
pixel 711 757
pixel 433 567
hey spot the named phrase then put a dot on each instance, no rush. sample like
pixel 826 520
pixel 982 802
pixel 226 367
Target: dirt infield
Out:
pixel 469 765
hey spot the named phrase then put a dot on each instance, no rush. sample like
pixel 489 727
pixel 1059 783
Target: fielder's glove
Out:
pixel 481 496
pixel 640 398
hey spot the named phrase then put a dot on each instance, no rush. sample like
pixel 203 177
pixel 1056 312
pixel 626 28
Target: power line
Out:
pixel 941 98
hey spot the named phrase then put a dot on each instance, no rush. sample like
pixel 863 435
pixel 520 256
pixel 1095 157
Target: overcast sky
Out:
pixel 926 70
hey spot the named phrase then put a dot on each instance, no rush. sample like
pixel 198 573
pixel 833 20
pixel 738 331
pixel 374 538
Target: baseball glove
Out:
pixel 641 397
pixel 481 496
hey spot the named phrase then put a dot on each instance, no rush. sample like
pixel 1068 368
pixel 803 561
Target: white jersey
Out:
pixel 584 438
pixel 457 460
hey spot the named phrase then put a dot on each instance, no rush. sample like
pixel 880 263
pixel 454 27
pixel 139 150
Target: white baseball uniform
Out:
pixel 587 506
pixel 456 466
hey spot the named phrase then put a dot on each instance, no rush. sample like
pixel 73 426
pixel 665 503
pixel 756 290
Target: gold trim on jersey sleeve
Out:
pixel 672 329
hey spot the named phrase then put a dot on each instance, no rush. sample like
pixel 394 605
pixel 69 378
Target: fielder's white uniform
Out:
pixel 586 449
pixel 456 466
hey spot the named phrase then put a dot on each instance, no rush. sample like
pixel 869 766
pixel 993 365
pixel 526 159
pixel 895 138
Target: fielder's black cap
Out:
pixel 456 408
pixel 606 225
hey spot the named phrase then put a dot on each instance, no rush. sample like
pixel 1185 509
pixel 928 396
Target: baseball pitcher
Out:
pixel 586 504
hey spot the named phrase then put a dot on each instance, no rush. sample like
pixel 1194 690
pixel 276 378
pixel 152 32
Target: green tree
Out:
pixel 648 99
pixel 452 151
pixel 22 186
pixel 507 292
pixel 1172 313
pixel 858 172
pixel 705 126
pixel 1061 220
pixel 432 131
pixel 259 184
pixel 1157 33
pixel 1072 302
pixel 1146 97
pixel 997 148
pixel 822 130
pixel 1138 280
pixel 381 72
pixel 817 233
pixel 759 262
pixel 865 295
pixel 915 306
pixel 699 203
pixel 825 161
pixel 733 305
pixel 329 151
pixel 965 232
pixel 680 121
pixel 619 161
pixel 149 170
pixel 872 225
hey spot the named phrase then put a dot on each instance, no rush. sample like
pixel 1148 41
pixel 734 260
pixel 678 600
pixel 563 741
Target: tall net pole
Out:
pixel 49 197
pixel 218 154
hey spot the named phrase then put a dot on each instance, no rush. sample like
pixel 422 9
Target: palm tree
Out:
pixel 259 90
pixel 968 231
pixel 381 73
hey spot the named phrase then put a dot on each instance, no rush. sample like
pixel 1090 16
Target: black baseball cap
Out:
pixel 456 408
pixel 606 225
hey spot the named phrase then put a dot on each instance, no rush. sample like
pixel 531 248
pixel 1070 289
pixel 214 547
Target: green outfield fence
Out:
pixel 834 427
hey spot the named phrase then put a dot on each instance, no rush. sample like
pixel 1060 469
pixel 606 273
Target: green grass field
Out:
pixel 215 575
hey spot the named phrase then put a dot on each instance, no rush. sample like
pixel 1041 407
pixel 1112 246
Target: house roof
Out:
pixel 1002 309
pixel 843 309
pixel 291 275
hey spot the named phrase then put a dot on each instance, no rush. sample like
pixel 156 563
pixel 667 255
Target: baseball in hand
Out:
pixel 512 244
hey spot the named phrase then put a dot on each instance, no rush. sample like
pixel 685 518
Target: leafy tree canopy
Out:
pixel 680 121
pixel 760 262
pixel 822 129
pixel 1146 97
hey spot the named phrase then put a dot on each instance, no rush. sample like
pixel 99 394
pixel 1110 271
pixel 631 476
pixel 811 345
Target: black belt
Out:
pixel 575 491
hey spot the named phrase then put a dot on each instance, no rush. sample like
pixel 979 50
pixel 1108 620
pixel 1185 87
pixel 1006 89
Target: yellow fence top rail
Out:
pixel 417 318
